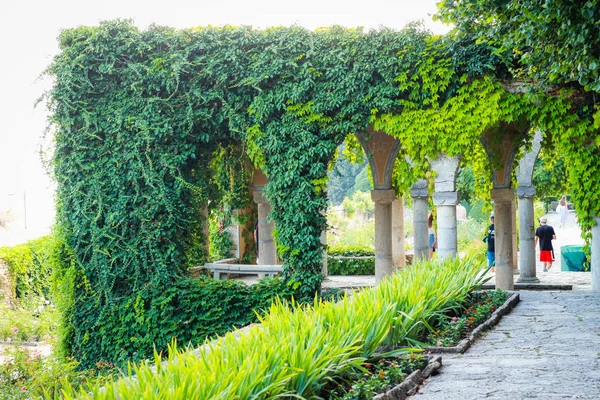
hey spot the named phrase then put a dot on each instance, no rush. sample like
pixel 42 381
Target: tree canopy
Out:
pixel 556 41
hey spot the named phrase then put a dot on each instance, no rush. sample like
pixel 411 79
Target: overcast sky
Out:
pixel 28 32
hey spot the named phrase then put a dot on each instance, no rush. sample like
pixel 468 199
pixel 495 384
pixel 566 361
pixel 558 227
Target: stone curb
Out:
pixel 412 382
pixel 533 286
pixel 464 344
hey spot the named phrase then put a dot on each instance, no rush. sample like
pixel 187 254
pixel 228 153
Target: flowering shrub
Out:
pixel 479 306
pixel 25 374
pixel 375 378
pixel 35 320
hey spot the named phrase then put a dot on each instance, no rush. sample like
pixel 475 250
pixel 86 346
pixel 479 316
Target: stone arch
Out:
pixel 381 150
pixel 501 146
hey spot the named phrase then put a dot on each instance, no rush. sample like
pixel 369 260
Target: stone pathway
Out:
pixel 548 347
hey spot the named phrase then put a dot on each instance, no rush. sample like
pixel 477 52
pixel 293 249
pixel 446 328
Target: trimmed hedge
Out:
pixel 348 260
pixel 29 267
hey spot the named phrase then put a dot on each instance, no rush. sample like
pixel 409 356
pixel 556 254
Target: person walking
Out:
pixel 491 248
pixel 545 234
pixel 432 239
pixel 563 210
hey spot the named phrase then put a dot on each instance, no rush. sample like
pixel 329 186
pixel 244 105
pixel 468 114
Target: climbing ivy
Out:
pixel 154 127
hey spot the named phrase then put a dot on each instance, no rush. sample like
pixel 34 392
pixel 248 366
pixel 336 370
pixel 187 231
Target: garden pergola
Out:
pixel 153 125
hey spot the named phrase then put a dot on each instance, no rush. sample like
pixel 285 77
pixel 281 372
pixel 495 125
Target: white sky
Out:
pixel 28 32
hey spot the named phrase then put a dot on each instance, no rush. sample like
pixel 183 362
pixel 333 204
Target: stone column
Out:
pixel 398 252
pixel 526 193
pixel 503 238
pixel 267 253
pixel 324 243
pixel 419 195
pixel 446 199
pixel 447 243
pixel 595 259
pixel 526 235
pixel 205 231
pixel 513 224
pixel 383 232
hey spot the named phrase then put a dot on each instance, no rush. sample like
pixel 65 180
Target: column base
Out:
pixel 531 279
pixel 516 271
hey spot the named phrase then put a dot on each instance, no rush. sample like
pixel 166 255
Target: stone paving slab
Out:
pixel 548 347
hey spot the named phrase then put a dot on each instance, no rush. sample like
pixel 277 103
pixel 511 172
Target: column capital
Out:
pixel 386 196
pixel 445 198
pixel 503 195
pixel 419 193
pixel 525 192
pixel 258 195
pixel 420 189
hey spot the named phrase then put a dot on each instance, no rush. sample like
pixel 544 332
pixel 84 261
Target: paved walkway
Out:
pixel 548 347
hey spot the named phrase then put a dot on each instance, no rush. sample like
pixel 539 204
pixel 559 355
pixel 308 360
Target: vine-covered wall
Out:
pixel 141 115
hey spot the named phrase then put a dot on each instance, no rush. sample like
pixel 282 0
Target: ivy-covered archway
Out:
pixel 140 115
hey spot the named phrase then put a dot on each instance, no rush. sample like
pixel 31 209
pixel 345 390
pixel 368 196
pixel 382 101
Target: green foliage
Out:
pixel 550 175
pixel 359 202
pixel 346 231
pixel 342 178
pixel 479 211
pixel 34 320
pixel 350 260
pixel 470 230
pixel 538 212
pixel 152 127
pixel 477 308
pixel 29 267
pixel 220 242
pixel 375 378
pixel 189 311
pixel 556 41
pixel 297 350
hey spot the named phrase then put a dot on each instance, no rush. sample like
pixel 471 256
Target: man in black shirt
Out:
pixel 545 234
pixel 491 250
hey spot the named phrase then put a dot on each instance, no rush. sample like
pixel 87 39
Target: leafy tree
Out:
pixel 360 201
pixel 557 41
pixel 342 178
pixel 362 182
pixel 550 176
pixel 465 184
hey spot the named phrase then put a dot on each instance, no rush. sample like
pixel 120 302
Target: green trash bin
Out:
pixel 572 258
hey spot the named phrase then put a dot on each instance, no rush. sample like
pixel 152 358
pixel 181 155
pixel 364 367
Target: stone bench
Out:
pixel 227 266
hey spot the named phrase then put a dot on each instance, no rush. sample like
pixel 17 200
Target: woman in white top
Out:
pixel 562 209
pixel 432 240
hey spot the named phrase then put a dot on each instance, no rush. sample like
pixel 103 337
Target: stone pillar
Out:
pixel 205 231
pixel 267 253
pixel 447 243
pixel 446 199
pixel 419 195
pixel 324 243
pixel 383 232
pixel 398 252
pixel 526 235
pixel 595 259
pixel 503 239
pixel 513 224
pixel 526 192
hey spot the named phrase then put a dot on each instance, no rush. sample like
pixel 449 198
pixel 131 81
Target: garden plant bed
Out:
pixel 464 344
pixel 384 376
